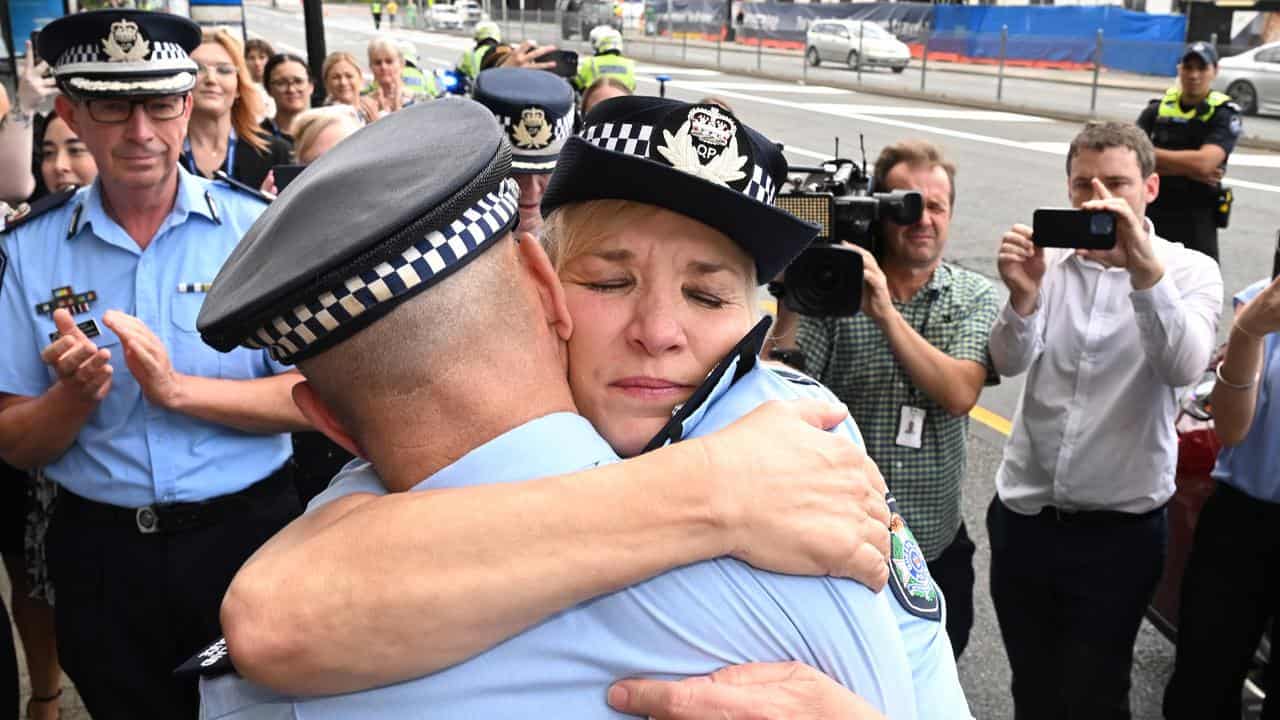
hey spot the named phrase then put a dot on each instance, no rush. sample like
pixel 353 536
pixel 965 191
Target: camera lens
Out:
pixel 1102 224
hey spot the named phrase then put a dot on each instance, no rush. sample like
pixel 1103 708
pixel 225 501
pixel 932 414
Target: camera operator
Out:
pixel 1078 524
pixel 911 365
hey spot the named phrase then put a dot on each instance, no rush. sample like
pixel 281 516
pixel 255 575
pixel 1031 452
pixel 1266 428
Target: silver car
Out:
pixel 1252 79
pixel 856 43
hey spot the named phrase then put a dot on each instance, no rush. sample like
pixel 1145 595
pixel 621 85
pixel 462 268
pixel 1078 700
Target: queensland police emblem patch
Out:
pixel 705 141
pixel 909 576
pixel 532 131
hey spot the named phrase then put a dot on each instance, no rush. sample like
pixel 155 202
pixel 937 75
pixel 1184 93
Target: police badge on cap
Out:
pixel 534 108
pixel 706 142
pixel 113 53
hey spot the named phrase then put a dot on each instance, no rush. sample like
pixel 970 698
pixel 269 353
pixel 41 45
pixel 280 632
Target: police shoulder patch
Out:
pixel 1236 124
pixel 27 213
pixel 209 662
pixel 909 577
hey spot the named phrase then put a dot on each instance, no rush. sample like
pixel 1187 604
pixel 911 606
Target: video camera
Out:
pixel 826 280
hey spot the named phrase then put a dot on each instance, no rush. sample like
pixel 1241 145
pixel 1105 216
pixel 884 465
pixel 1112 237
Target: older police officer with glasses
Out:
pixel 170 456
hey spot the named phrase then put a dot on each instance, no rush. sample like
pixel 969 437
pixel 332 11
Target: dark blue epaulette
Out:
pixel 792 376
pixel 36 209
pixel 209 662
pixel 237 185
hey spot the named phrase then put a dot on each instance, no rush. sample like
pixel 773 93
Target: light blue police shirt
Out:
pixel 1253 466
pixel 131 453
pixel 689 621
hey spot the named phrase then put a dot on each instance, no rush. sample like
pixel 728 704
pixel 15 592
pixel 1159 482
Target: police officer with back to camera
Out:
pixel 1194 129
pixel 607 62
pixel 170 456
pixel 488 36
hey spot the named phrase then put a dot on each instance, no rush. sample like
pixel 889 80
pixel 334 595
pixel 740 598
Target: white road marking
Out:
pixel 846 111
pixel 648 69
pixel 715 85
pixel 941 113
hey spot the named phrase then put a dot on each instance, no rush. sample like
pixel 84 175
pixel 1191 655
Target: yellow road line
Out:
pixel 991 420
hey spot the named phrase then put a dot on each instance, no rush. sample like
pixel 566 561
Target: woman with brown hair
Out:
pixel 343 80
pixel 223 133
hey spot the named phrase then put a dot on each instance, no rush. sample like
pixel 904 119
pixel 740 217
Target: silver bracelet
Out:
pixel 1218 372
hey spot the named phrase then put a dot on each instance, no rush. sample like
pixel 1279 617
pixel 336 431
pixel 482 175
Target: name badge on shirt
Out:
pixel 911 427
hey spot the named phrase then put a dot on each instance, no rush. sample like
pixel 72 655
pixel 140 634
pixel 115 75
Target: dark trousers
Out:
pixel 953 572
pixel 1229 592
pixel 132 606
pixel 1069 595
pixel 1194 227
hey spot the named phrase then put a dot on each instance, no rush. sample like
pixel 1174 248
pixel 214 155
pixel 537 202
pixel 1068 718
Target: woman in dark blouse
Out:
pixel 288 80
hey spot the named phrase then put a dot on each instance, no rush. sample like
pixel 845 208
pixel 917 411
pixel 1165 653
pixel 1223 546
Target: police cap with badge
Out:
pixel 118 53
pixel 321 263
pixel 535 109
pixel 696 160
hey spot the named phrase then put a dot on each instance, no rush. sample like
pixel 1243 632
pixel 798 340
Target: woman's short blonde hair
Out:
pixel 311 123
pixel 574 230
pixel 248 106
pixel 380 45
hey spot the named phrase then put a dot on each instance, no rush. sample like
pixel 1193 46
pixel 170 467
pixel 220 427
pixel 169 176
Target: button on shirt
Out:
pixel 954 312
pixel 131 453
pixel 689 621
pixel 1253 466
pixel 1094 426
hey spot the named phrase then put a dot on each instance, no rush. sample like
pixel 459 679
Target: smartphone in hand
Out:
pixel 284 174
pixel 1075 229
pixel 566 63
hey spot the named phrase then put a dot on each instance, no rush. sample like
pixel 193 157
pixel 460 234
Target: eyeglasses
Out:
pixel 223 69
pixel 288 83
pixel 116 110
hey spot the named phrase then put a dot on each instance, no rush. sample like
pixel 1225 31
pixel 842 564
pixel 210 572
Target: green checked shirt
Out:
pixel 851 356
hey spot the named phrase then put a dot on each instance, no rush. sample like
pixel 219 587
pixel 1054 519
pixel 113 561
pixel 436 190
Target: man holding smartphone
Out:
pixel 1078 524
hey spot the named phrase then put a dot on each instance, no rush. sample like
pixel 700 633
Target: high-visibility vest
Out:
pixel 610 65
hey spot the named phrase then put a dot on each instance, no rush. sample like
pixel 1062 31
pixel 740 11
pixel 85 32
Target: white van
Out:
pixel 855 42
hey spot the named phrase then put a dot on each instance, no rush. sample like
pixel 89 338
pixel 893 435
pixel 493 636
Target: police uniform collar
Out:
pixel 190 198
pixel 738 362
pixel 524 441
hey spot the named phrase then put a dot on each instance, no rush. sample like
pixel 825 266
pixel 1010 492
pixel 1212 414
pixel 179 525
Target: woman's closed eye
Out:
pixel 705 298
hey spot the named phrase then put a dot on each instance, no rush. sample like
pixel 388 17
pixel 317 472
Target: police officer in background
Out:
pixel 535 110
pixel 608 61
pixel 170 456
pixel 487 36
pixel 1193 129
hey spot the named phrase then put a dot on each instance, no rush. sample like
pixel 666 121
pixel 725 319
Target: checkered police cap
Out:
pixel 696 160
pixel 536 111
pixel 369 225
pixel 110 53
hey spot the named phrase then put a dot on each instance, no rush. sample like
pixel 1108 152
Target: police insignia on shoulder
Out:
pixel 209 662
pixel 909 577
pixel 792 376
pixel 236 184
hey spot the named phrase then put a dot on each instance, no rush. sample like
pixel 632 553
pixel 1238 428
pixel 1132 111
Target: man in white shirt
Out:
pixel 1078 525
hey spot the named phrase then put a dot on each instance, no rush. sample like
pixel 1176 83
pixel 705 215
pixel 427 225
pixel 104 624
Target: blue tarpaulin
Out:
pixel 1134 41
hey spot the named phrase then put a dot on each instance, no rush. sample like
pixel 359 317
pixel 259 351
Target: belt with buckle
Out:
pixel 174 517
pixel 1095 518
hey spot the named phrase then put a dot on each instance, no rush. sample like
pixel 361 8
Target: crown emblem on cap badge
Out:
pixel 706 146
pixel 532 131
pixel 125 42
